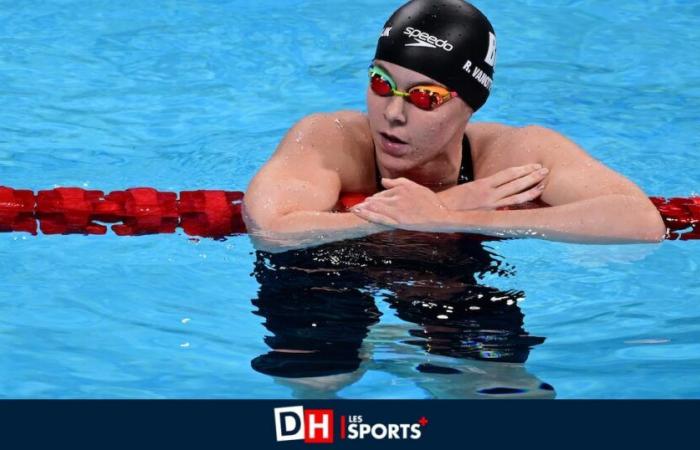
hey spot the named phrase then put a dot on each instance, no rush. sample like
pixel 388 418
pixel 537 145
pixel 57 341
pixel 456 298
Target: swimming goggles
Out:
pixel 424 97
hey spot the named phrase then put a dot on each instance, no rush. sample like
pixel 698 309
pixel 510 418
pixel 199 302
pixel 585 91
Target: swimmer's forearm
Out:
pixel 305 228
pixel 605 219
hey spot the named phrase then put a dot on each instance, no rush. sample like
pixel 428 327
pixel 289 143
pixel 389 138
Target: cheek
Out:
pixel 373 101
pixel 432 130
pixel 373 106
pixel 442 125
pixel 376 108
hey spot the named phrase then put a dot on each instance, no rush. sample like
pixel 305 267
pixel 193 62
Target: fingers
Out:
pixel 372 216
pixel 378 202
pixel 510 174
pixel 520 184
pixel 522 197
pixel 394 181
pixel 383 195
pixel 391 182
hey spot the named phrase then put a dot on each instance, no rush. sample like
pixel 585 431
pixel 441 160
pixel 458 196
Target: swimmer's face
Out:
pixel 406 136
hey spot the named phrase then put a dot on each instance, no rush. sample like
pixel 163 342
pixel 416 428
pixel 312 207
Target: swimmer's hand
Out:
pixel 405 204
pixel 511 186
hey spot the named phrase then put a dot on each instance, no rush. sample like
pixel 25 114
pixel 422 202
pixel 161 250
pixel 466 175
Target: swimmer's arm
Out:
pixel 590 203
pixel 289 203
pixel 596 221
pixel 299 229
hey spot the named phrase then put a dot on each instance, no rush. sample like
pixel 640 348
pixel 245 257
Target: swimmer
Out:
pixel 426 166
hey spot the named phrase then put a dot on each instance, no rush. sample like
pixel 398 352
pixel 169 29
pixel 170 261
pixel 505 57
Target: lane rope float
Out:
pixel 202 213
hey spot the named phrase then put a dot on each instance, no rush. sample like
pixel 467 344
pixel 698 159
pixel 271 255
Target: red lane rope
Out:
pixel 681 216
pixel 204 213
pixel 135 211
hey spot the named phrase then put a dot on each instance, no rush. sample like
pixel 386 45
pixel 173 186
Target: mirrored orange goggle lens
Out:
pixel 422 99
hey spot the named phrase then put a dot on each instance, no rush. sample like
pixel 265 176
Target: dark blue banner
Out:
pixel 213 424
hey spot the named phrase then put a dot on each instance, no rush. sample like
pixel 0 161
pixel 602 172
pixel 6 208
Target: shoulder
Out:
pixel 497 146
pixel 339 141
pixel 488 135
pixel 483 135
pixel 338 123
pixel 322 129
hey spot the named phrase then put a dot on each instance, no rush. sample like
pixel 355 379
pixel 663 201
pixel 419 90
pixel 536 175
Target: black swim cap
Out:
pixel 450 41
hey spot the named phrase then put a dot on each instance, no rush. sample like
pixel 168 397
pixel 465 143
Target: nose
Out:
pixel 394 112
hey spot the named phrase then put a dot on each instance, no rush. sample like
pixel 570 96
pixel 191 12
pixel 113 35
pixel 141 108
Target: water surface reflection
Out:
pixel 320 305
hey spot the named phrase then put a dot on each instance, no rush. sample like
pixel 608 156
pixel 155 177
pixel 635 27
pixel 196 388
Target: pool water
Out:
pixel 183 95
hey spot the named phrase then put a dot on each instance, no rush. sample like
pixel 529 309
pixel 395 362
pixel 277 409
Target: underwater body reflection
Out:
pixel 319 306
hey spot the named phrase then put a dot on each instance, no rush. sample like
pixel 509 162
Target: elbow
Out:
pixel 638 220
pixel 653 229
pixel 260 230
pixel 635 221
pixel 268 233
pixel 268 240
pixel 659 231
pixel 260 218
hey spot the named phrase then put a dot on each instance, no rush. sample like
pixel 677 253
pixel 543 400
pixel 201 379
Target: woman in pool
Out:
pixel 423 164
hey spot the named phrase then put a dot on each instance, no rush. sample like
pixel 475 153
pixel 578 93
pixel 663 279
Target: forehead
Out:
pixel 403 76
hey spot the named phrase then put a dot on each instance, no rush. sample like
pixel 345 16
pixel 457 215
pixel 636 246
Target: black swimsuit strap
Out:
pixel 466 169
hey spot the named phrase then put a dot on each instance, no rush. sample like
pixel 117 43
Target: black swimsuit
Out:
pixel 466 170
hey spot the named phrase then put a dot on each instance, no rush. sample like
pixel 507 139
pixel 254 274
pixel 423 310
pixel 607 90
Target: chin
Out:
pixel 394 164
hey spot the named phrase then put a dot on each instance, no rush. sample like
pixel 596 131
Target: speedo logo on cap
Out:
pixel 423 39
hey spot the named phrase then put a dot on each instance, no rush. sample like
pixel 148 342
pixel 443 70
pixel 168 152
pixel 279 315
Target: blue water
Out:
pixel 183 95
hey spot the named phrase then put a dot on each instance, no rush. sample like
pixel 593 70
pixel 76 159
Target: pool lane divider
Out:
pixel 136 211
pixel 203 213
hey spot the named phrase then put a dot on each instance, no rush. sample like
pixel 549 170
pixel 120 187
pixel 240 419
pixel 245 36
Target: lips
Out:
pixel 392 138
pixel 393 145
